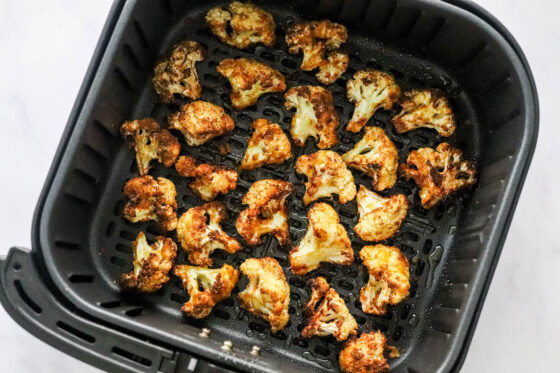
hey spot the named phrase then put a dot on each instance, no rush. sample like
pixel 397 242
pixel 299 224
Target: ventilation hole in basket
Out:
pixel 452 210
pixel 271 115
pixel 236 145
pixel 301 343
pixel 179 298
pixel 123 248
pixel 397 334
pixel 283 262
pixel 297 224
pixel 279 335
pixel 268 56
pixel 118 261
pixel 212 79
pixel 412 290
pixel 323 351
pixel 291 310
pixel 121 77
pixel 256 327
pixel 379 326
pixel 286 62
pixel 131 356
pixel 438 214
pixel 110 229
pixel 297 282
pixel 407 250
pixel 75 332
pixel 360 319
pixel 66 245
pixel 78 278
pixel 300 327
pixel 118 208
pixel 348 286
pixel 127 235
pixel 23 295
pixel 275 100
pixel 427 246
pixel 221 314
pixel 17 266
pixel 228 302
pixel 110 304
pixel 410 236
pixel 131 55
pixel 420 267
pixel 140 33
pixel 351 272
pixel 405 310
pixel 133 312
pixel 358 304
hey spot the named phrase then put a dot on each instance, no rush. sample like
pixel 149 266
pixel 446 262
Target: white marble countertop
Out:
pixel 46 47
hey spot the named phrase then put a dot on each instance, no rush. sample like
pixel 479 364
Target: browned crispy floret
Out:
pixel 210 180
pixel 315 115
pixel 364 354
pixel 438 173
pixel 242 24
pixel 150 199
pixel 177 73
pixel 206 287
pixel 201 121
pixel 267 212
pixel 319 41
pixel 151 264
pixel 268 145
pixel 200 233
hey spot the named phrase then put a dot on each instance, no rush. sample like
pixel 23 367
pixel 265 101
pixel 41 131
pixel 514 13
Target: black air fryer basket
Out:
pixel 64 292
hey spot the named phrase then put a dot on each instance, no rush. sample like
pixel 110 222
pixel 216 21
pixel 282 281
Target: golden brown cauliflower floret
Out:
pixel 438 173
pixel 364 354
pixel 210 180
pixel 370 90
pixel 250 80
pixel 315 115
pixel 427 108
pixel 331 317
pixel 268 294
pixel 177 73
pixel 388 278
pixel 326 240
pixel 267 212
pixel 248 23
pixel 201 121
pixel 268 145
pixel 326 175
pixel 376 156
pixel 319 41
pixel 206 287
pixel 150 199
pixel 380 218
pixel 200 233
pixel 151 264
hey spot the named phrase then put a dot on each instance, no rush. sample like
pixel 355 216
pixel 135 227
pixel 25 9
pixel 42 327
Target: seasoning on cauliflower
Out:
pixel 267 212
pixel 326 175
pixel 331 317
pixel 177 73
pixel 268 294
pixel 326 240
pixel 319 41
pixel 201 121
pixel 206 287
pixel 380 218
pixel 370 90
pixel 438 173
pixel 388 278
pixel 268 145
pixel 210 180
pixel 150 199
pixel 200 233
pixel 250 80
pixel 315 115
pixel 241 25
pixel 425 108
pixel 364 354
pixel 376 156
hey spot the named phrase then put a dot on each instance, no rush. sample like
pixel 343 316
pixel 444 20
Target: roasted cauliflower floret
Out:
pixel 241 25
pixel 331 317
pixel 201 121
pixel 151 264
pixel 388 278
pixel 364 354
pixel 150 199
pixel 427 108
pixel 370 90
pixel 268 294
pixel 177 73
pixel 380 218
pixel 326 175
pixel 210 180
pixel 206 287
pixel 376 156
pixel 200 233
pixel 438 173
pixel 315 115
pixel 268 145
pixel 267 212
pixel 319 41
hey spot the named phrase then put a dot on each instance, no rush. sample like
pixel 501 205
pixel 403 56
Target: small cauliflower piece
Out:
pixel 427 108
pixel 438 173
pixel 201 121
pixel 388 278
pixel 210 180
pixel 268 294
pixel 267 145
pixel 267 212
pixel 151 264
pixel 370 90
pixel 364 354
pixel 200 233
pixel 177 73
pixel 250 80
pixel 241 25
pixel 315 115
pixel 326 175
pixel 150 199
pixel 376 156
pixel 206 287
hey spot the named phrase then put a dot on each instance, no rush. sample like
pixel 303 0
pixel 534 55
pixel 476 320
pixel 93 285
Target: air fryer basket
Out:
pixel 81 244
